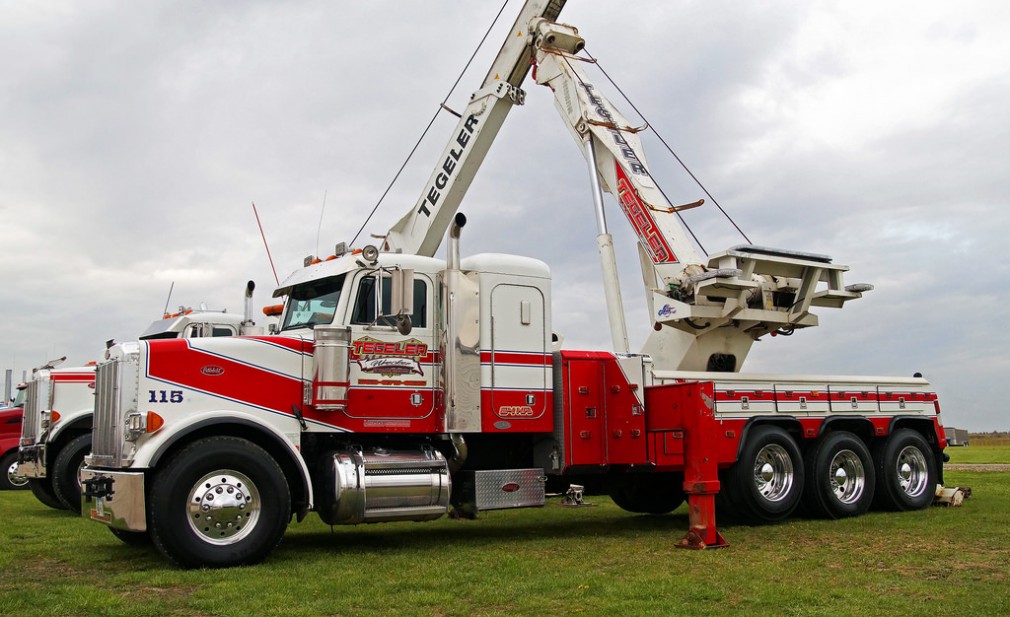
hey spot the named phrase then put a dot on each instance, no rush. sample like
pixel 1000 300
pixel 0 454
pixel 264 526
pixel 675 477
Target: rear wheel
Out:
pixel 648 494
pixel 840 476
pixel 766 482
pixel 906 471
pixel 66 472
pixel 10 481
pixel 42 488
pixel 219 502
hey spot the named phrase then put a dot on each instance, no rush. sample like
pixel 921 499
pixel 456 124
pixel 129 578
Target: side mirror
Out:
pixel 401 305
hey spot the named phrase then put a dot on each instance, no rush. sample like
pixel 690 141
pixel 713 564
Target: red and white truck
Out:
pixel 400 386
pixel 56 432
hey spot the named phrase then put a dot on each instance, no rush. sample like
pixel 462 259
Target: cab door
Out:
pixel 393 377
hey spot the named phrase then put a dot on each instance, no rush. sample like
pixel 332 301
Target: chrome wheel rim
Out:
pixel 912 472
pixel 12 476
pixel 847 477
pixel 773 472
pixel 223 507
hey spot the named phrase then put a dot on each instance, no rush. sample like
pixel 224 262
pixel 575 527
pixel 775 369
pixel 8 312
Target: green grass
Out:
pixel 980 454
pixel 593 561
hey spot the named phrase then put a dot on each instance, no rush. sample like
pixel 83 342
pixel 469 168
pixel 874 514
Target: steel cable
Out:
pixel 424 133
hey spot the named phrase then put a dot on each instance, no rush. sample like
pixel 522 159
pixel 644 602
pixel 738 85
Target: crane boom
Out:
pixel 706 310
pixel 421 230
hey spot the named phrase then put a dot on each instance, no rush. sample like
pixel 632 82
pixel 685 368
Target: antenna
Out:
pixel 168 299
pixel 264 236
pixel 319 228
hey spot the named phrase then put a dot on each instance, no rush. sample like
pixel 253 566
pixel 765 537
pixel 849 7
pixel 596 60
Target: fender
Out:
pixel 155 446
pixel 8 445
pixel 789 423
pixel 68 422
pixel 918 423
pixel 862 421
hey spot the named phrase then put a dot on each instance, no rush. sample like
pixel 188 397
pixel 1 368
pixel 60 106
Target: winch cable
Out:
pixel 674 154
pixel 441 107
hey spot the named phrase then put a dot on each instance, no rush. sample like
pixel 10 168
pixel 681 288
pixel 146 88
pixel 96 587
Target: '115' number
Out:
pixel 165 396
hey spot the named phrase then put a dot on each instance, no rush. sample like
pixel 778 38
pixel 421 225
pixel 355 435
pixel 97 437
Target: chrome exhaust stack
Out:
pixel 461 342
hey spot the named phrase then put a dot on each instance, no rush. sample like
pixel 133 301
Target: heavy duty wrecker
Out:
pixel 401 386
pixel 56 432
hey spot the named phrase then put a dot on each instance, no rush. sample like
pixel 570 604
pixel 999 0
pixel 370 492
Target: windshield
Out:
pixel 312 303
pixel 19 398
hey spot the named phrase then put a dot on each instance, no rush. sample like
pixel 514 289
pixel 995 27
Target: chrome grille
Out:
pixel 32 412
pixel 115 396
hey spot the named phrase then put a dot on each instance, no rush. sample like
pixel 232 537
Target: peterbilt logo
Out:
pixel 212 371
pixel 511 487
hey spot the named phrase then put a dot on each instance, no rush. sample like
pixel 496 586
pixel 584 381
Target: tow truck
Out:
pixel 401 387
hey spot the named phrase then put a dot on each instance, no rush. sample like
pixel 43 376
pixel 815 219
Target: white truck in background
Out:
pixel 59 405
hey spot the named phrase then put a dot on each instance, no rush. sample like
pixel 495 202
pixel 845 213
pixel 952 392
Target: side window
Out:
pixel 219 330
pixel 363 308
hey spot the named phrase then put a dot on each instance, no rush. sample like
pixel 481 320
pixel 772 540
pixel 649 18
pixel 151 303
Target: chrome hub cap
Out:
pixel 912 472
pixel 847 476
pixel 223 507
pixel 14 478
pixel 773 472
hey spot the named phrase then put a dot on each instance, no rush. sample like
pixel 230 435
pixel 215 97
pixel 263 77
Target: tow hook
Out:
pixel 98 487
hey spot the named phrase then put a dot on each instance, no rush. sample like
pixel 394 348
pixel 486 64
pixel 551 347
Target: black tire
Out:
pixel 66 472
pixel 9 481
pixel 241 527
pixel 766 483
pixel 43 491
pixel 906 472
pixel 840 477
pixel 658 494
pixel 133 538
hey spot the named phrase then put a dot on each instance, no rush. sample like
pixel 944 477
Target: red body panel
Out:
pixel 518 406
pixel 604 421
pixel 10 428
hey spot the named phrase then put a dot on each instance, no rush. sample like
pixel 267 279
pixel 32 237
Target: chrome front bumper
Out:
pixel 115 498
pixel 32 461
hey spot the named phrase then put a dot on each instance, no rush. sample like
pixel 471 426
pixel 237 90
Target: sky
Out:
pixel 134 137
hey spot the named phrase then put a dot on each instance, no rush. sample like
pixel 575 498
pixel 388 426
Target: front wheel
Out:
pixel 219 502
pixel 66 472
pixel 906 471
pixel 766 482
pixel 840 478
pixel 10 481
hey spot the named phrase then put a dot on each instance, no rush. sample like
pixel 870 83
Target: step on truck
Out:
pixel 402 387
